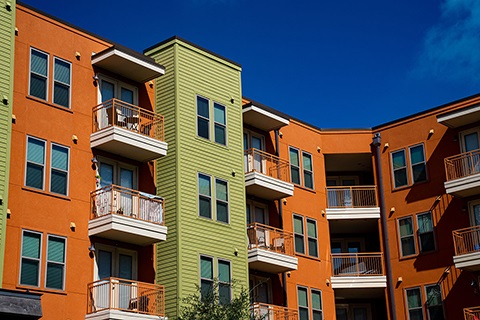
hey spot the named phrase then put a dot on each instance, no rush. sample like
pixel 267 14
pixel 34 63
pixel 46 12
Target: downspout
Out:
pixel 280 218
pixel 376 142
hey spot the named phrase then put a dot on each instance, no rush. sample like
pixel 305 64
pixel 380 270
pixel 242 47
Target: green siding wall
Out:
pixel 191 72
pixel 7 38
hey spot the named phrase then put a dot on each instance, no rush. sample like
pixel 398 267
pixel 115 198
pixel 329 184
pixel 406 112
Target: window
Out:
pixel 414 304
pixel 303 303
pixel 294 166
pixel 426 239
pixel 307 170
pixel 399 169
pixel 312 310
pixel 224 281
pixel 113 261
pixel 312 237
pixel 307 167
pixel 434 302
pixel 35 169
pixel 206 276
pixel 61 82
pixel 38 74
pixel 204 196
pixel 31 260
pixel 203 118
pixel 221 190
pixel 220 124
pixel 55 263
pixel 407 239
pixel 30 263
pixel 417 162
pixel 257 212
pixel 219 120
pixel 59 169
pixel 299 236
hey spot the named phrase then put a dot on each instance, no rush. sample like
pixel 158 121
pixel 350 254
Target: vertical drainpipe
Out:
pixel 280 214
pixel 377 140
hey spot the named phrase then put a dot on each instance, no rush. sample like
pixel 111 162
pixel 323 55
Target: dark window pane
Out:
pixel 205 207
pixel 203 128
pixel 312 248
pixel 61 95
pixel 295 175
pixel 54 276
pixel 419 172
pixel 29 274
pixel 436 313
pixel 59 182
pixel 416 314
pixel 222 212
pixel 202 107
pixel 220 134
pixel 317 315
pixel 308 180
pixel 400 178
pixel 427 242
pixel 299 244
pixel 408 246
pixel 38 87
pixel 34 176
pixel 206 287
pixel 303 313
pixel 224 293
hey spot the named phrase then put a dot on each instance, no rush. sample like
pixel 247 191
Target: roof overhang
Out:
pixel 262 119
pixel 130 65
pixel 460 117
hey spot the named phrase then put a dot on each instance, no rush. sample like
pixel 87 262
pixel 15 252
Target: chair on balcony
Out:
pixel 121 118
pixel 139 304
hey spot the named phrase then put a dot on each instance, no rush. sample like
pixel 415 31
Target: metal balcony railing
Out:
pixel 266 163
pixel 357 264
pixel 272 312
pixel 471 313
pixel 462 165
pixel 115 112
pixel 466 240
pixel 114 199
pixel 352 197
pixel 269 238
pixel 126 295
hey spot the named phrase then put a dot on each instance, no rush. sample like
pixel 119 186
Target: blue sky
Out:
pixel 332 63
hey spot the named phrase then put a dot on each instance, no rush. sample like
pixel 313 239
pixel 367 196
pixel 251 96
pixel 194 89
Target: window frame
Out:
pixel 64 264
pixel 405 167
pixel 217 200
pixel 427 305
pixel 212 259
pixel 39 75
pixel 298 167
pixel 215 123
pixel 411 164
pixel 69 85
pixel 209 197
pixel 419 234
pixel 252 205
pixel 39 260
pixel 305 171
pixel 44 166
pixel 415 308
pixel 227 284
pixel 307 307
pixel 302 235
pixel 412 235
pixel 309 238
pixel 312 290
pixel 67 172
pixel 198 116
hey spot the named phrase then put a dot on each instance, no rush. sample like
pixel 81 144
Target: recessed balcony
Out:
pixel 267 176
pixel 270 249
pixel 115 298
pixel 128 130
pixel 272 312
pixel 472 313
pixel 131 216
pixel 462 174
pixel 355 202
pixel 358 270
pixel 467 248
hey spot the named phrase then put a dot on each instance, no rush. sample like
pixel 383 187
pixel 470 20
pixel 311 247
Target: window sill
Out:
pixel 409 186
pixel 43 290
pixel 304 188
pixel 214 221
pixel 58 196
pixel 56 106
pixel 198 138
pixel 307 257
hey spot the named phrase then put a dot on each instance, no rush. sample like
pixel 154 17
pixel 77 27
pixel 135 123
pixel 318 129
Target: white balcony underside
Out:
pixel 353 213
pixel 128 144
pixel 270 261
pixel 464 187
pixel 121 315
pixel 359 282
pixel 469 261
pixel 461 117
pixel 263 119
pixel 127 229
pixel 263 186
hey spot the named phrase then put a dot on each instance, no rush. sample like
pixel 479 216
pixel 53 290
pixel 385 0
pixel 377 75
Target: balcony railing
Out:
pixel 357 264
pixel 472 313
pixel 118 113
pixel 352 197
pixel 126 295
pixel 462 165
pixel 114 199
pixel 466 240
pixel 268 164
pixel 268 238
pixel 272 312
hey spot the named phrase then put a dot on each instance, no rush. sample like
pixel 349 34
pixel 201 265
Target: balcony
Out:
pixel 355 202
pixel 471 313
pixel 272 312
pixel 462 174
pixel 114 298
pixel 131 216
pixel 267 176
pixel 358 270
pixel 128 130
pixel 461 117
pixel 467 248
pixel 263 117
pixel 270 249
